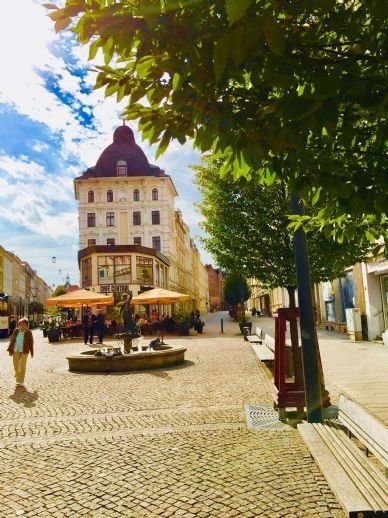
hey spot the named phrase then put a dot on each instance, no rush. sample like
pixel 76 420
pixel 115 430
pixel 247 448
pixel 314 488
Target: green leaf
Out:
pixel 236 9
pixel 274 36
pixel 177 81
pixel 315 198
pixel 165 141
pixel 121 92
pixel 94 48
pixel 144 65
pixel 59 14
pixel 108 49
pixel 62 24
pixel 369 236
pixel 300 108
pixel 111 89
pixel 220 56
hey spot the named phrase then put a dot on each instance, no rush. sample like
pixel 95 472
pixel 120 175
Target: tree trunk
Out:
pixel 313 376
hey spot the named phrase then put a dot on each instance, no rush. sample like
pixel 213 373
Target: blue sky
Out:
pixel 52 126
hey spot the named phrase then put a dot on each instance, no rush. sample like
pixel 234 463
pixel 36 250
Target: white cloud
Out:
pixel 21 169
pixel 45 203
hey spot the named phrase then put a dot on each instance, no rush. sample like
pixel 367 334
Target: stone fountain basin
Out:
pixel 164 357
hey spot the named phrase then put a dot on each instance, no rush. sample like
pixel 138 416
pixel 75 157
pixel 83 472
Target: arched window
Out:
pixel 90 196
pixel 136 195
pixel 121 167
pixel 109 195
pixel 155 194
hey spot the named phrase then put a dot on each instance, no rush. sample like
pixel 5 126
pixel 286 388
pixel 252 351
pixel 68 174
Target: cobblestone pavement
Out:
pixel 169 442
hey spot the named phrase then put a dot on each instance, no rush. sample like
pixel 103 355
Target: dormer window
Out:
pixel 109 196
pixel 121 168
pixel 155 194
pixel 90 196
pixel 136 195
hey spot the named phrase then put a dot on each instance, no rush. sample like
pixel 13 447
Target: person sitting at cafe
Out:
pixel 142 320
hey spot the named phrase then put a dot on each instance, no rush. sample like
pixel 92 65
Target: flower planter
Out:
pixel 245 324
pixel 53 335
pixel 184 328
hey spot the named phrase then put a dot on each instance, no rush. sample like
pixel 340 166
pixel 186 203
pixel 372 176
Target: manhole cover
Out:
pixel 263 417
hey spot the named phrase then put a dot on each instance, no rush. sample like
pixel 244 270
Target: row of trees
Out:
pixel 247 231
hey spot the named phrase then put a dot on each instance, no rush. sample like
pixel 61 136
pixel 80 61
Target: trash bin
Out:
pixel 246 332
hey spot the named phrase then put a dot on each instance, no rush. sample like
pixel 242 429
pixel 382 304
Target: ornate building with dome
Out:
pixel 131 237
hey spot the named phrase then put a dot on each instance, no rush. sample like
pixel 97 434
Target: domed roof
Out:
pixel 124 149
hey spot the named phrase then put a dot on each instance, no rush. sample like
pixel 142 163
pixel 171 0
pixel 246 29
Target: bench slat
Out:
pixel 269 342
pixel 365 427
pixel 348 495
pixel 356 465
pixel 263 352
pixel 254 339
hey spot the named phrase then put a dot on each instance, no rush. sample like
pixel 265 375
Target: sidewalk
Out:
pixel 356 369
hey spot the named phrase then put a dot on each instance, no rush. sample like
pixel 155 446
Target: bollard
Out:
pixel 222 325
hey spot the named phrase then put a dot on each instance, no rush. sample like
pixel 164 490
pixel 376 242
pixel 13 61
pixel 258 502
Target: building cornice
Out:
pixel 122 249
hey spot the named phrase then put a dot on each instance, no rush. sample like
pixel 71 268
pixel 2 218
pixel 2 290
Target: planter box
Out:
pixel 245 324
pixel 184 329
pixel 53 335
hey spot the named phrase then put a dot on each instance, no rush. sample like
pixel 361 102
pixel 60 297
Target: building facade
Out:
pixel 375 283
pixel 22 291
pixel 216 280
pixel 131 236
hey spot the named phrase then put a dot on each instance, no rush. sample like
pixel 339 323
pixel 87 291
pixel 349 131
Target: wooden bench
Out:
pixel 355 481
pixel 265 349
pixel 371 432
pixel 256 338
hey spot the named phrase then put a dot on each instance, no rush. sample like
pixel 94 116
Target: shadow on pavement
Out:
pixel 22 396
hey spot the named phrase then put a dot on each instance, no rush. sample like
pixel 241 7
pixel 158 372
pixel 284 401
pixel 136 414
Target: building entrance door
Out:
pixel 384 294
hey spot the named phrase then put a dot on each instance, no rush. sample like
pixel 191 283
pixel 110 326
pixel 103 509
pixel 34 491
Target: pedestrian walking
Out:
pixel 88 322
pixel 21 343
pixel 100 326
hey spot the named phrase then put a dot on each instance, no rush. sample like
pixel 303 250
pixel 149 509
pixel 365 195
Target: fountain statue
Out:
pixel 127 309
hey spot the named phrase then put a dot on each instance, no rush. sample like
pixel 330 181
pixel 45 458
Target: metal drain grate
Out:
pixel 263 417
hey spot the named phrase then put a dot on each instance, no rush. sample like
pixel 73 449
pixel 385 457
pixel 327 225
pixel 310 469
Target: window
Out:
pixel 144 270
pixel 110 219
pixel 156 242
pixel 157 273
pixel 155 217
pixel 91 219
pixel 90 196
pixel 137 241
pixel 110 241
pixel 121 168
pixel 109 196
pixel 91 242
pixel 86 269
pixel 137 218
pixel 155 194
pixel 136 195
pixel 114 269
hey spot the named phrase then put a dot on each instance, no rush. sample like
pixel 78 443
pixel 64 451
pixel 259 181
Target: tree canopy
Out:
pixel 236 289
pixel 295 91
pixel 247 231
